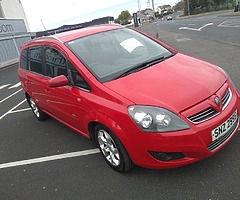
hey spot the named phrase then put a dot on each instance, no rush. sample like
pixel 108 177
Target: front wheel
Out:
pixel 40 115
pixel 112 149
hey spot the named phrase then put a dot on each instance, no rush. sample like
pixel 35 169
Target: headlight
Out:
pixel 155 119
pixel 229 78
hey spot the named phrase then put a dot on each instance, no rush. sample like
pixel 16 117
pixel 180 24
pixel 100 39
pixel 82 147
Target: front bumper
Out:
pixel 192 143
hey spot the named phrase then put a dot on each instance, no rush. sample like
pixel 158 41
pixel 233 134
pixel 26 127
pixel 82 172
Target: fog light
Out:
pixel 166 156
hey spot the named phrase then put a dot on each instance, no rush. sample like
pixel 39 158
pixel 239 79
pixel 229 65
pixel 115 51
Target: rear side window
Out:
pixel 56 63
pixel 23 60
pixel 35 61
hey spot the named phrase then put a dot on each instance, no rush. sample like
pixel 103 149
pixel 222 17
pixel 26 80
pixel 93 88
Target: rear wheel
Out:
pixel 112 149
pixel 40 115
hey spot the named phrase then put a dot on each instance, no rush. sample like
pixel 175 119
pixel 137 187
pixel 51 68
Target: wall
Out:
pixel 13 34
pixel 13 9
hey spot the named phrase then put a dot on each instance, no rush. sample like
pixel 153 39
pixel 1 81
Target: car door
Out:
pixel 36 82
pixel 65 102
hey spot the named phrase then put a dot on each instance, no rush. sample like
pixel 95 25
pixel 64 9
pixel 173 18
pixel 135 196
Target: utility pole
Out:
pixel 153 9
pixel 188 7
pixel 139 5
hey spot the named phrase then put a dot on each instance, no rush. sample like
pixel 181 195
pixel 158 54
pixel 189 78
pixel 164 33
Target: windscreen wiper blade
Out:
pixel 141 66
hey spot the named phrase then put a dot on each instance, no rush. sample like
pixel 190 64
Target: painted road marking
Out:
pixel 15 86
pixel 194 29
pixel 11 95
pixel 11 110
pixel 21 110
pixel 49 158
pixel 46 158
pixel 230 23
pixel 183 39
pixel 3 86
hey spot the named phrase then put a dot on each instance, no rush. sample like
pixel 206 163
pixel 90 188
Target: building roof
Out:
pixel 165 7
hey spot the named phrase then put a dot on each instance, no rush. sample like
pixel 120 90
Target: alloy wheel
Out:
pixel 34 108
pixel 108 148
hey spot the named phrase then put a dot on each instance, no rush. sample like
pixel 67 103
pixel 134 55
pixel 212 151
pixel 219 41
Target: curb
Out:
pixel 222 13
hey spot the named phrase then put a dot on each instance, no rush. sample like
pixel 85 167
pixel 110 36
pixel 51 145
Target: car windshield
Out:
pixel 109 55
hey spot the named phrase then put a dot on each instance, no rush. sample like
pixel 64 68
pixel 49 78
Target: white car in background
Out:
pixel 169 18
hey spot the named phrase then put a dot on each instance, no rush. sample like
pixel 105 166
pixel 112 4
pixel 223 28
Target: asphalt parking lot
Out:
pixel 25 141
pixel 47 160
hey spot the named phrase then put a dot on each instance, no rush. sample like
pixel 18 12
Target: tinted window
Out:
pixel 35 61
pixel 55 62
pixel 23 60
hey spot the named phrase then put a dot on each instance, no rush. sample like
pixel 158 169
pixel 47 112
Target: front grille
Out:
pixel 226 98
pixel 211 112
pixel 215 144
pixel 203 115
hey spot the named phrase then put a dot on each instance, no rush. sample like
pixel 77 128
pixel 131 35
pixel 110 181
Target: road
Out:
pixel 218 27
pixel 210 38
pixel 27 171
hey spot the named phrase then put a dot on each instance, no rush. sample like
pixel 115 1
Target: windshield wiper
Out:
pixel 142 66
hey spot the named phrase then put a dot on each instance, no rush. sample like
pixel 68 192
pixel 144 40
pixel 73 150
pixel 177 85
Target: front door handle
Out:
pixel 48 91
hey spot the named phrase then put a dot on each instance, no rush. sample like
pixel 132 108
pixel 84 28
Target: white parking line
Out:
pixel 11 110
pixel 11 95
pixel 21 110
pixel 3 86
pixel 15 86
pixel 49 158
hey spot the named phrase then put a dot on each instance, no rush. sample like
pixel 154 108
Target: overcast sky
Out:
pixel 55 13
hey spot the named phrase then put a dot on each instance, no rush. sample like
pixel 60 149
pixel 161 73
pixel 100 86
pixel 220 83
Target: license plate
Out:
pixel 224 127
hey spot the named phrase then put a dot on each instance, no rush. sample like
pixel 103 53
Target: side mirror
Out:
pixel 58 81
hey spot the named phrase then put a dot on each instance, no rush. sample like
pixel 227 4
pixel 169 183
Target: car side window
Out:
pixel 77 78
pixel 55 62
pixel 35 60
pixel 23 60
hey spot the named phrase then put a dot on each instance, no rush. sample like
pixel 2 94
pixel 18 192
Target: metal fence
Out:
pixel 10 45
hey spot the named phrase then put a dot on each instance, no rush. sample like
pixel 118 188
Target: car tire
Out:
pixel 112 149
pixel 38 113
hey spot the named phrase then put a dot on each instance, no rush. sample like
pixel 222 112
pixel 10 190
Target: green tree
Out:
pixel 124 17
pixel 198 6
pixel 180 5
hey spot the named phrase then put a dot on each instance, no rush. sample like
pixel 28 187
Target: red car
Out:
pixel 141 102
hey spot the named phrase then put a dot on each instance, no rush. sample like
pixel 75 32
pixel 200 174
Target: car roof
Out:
pixel 71 35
